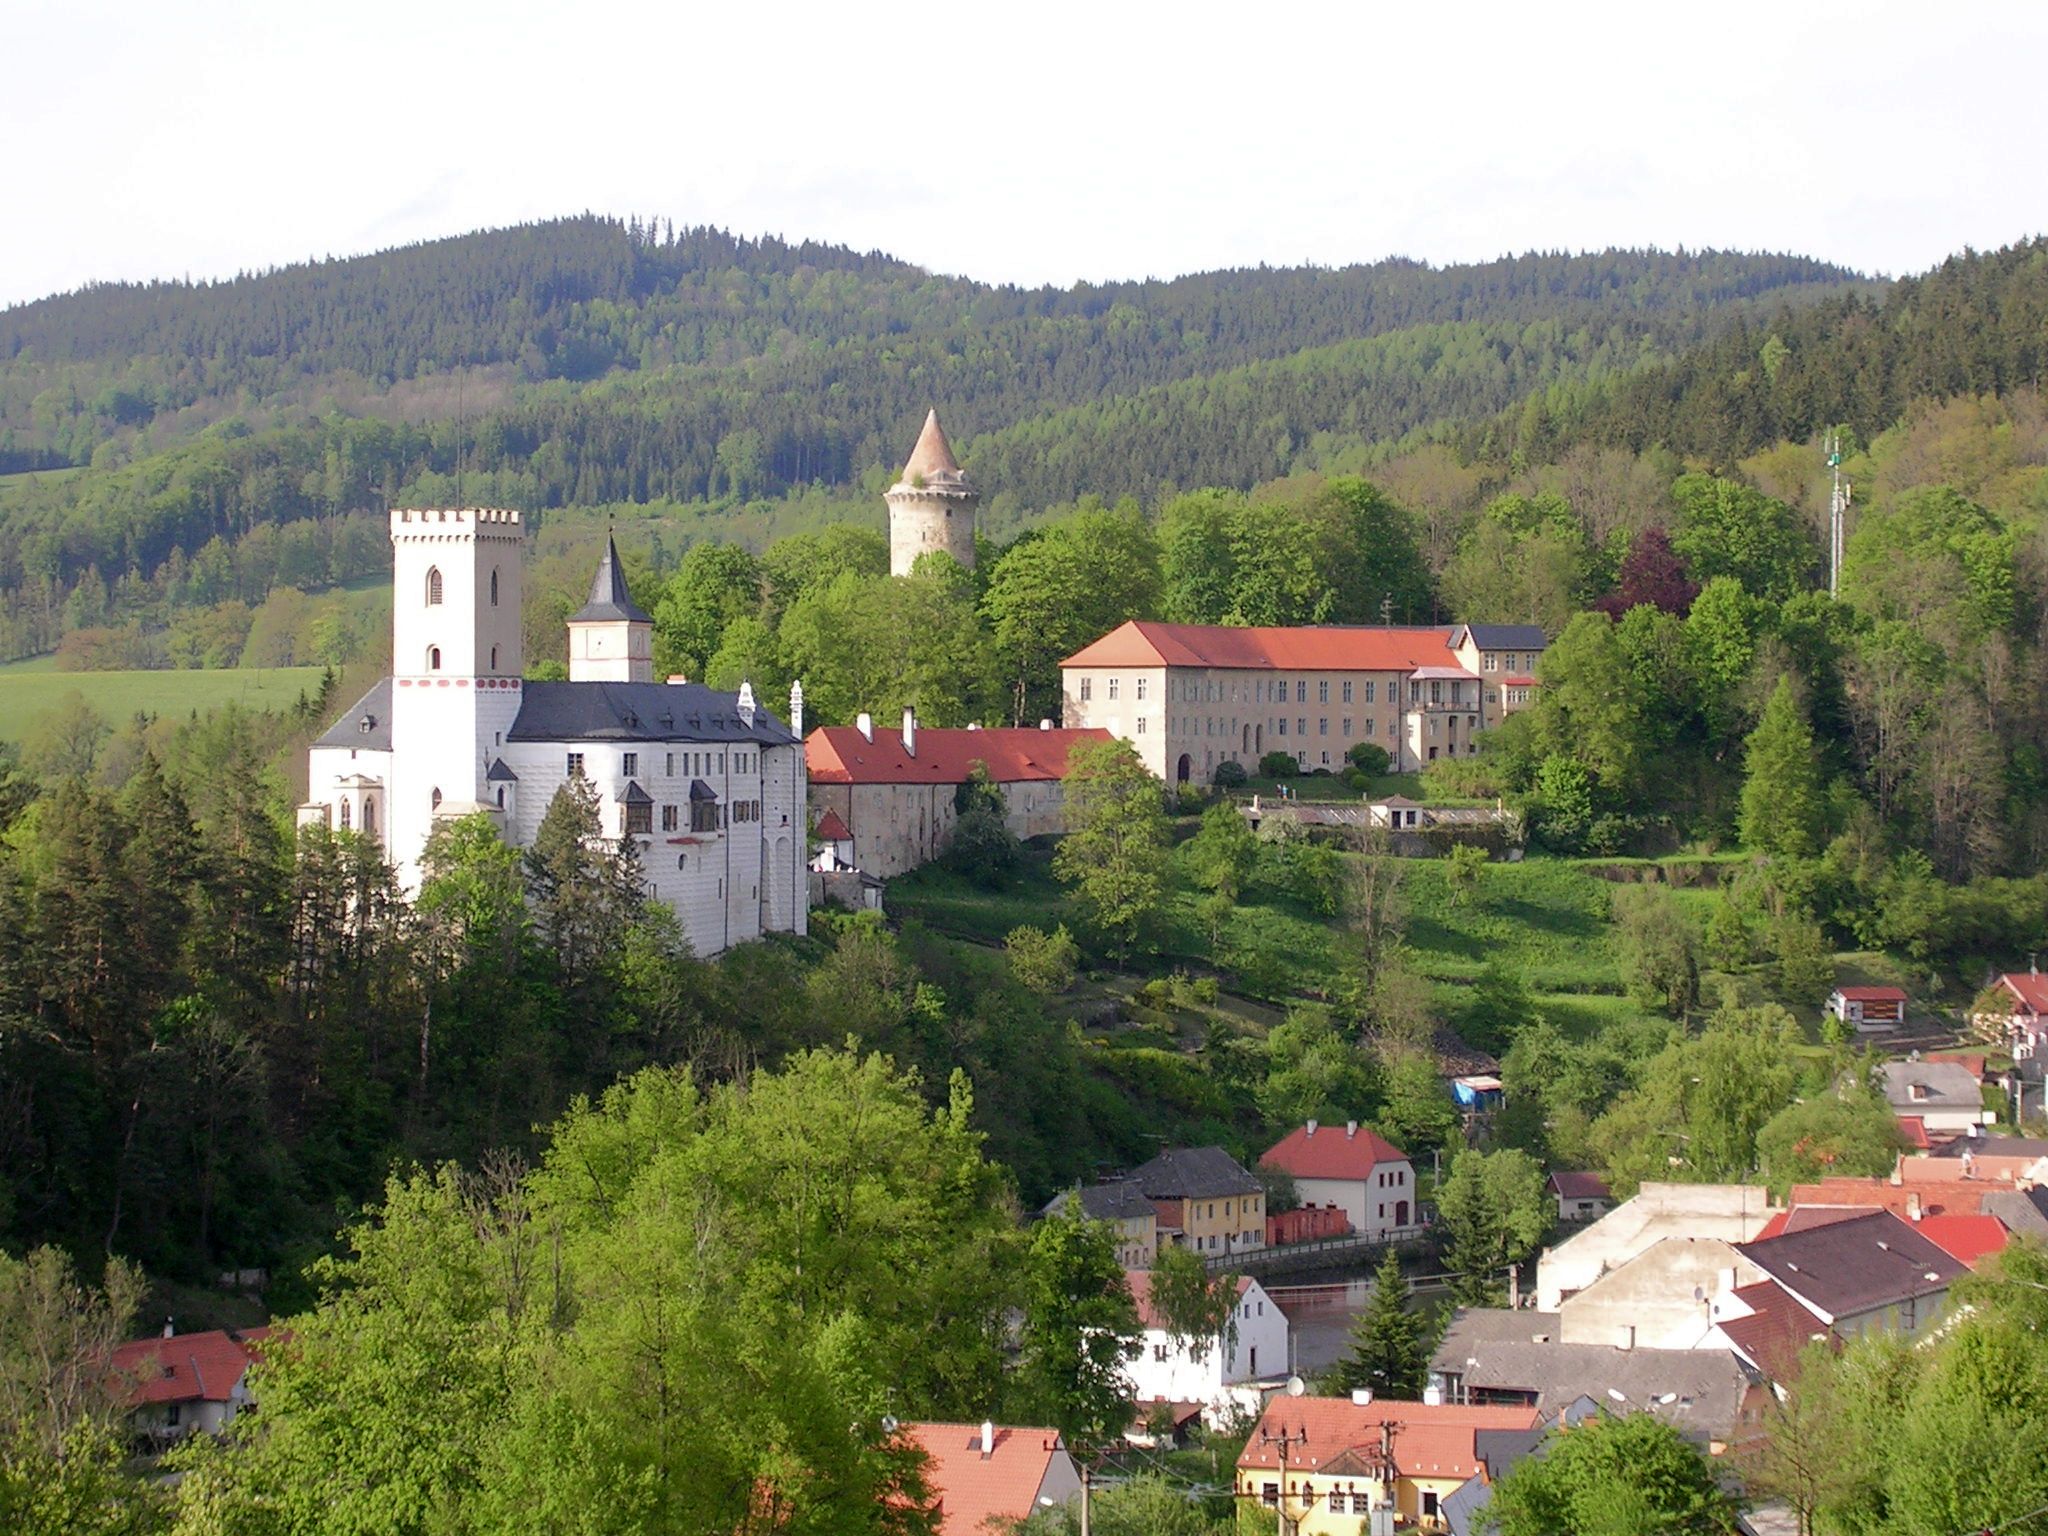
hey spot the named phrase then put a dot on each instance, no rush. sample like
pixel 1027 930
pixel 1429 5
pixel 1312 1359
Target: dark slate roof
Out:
pixel 498 773
pixel 2025 1211
pixel 1194 1173
pixel 1993 1146
pixel 1121 1201
pixel 609 598
pixel 1508 637
pixel 348 732
pixel 635 795
pixel 639 712
pixel 700 791
pixel 1849 1267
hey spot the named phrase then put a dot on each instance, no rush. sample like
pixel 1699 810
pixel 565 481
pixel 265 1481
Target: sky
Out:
pixel 1054 142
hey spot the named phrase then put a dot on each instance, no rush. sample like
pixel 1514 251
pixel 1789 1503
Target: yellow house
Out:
pixel 1325 1463
pixel 1205 1198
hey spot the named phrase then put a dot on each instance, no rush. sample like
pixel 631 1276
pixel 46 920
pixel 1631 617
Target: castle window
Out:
pixel 575 765
pixel 670 821
pixel 639 818
pixel 434 586
pixel 437 800
pixel 1141 689
pixel 494 589
pixel 682 861
pixel 494 649
pixel 369 815
pixel 1112 687
pixel 671 765
pixel 501 797
pixel 344 815
pixel 433 658
pixel 1087 689
pixel 629 764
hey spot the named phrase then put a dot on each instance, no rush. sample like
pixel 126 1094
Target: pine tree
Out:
pixel 1782 810
pixel 1389 1349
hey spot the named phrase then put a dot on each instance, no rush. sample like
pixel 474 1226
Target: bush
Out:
pixel 1368 759
pixel 1229 775
pixel 1357 779
pixel 1278 765
pixel 982 847
pixel 1043 962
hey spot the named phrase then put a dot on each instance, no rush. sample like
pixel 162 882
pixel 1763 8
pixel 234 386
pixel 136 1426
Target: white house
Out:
pixel 1945 1096
pixel 709 785
pixel 1221 1375
pixel 184 1384
pixel 1354 1168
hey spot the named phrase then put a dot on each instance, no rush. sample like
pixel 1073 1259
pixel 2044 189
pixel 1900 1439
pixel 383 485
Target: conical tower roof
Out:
pixel 931 461
pixel 609 599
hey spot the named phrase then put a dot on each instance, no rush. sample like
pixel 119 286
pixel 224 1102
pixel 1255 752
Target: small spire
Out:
pixel 609 598
pixel 932 458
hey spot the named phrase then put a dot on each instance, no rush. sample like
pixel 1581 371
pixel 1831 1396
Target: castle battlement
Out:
pixel 416 522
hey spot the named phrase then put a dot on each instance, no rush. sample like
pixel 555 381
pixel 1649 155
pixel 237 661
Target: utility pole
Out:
pixel 1283 1441
pixel 1838 511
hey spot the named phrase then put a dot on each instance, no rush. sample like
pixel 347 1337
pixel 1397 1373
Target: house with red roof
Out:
pixel 892 794
pixel 2015 1005
pixel 1352 1167
pixel 979 1473
pixel 1190 697
pixel 182 1384
pixel 1866 1272
pixel 1221 1374
pixel 1580 1196
pixel 1869 1008
pixel 1321 1465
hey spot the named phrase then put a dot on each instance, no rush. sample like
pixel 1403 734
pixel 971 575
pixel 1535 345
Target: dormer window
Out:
pixel 434 586
pixel 367 724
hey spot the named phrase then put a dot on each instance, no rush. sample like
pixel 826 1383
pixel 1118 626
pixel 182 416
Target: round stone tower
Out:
pixel 932 506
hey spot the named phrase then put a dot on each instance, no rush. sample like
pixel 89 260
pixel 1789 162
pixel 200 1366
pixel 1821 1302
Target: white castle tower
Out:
pixel 456 662
pixel 932 506
pixel 610 639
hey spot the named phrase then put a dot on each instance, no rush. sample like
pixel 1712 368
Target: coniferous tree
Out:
pixel 1388 1351
pixel 1782 808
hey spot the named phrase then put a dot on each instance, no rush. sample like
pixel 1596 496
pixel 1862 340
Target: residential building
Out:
pixel 708 785
pixel 1730 1212
pixel 1869 1008
pixel 1191 696
pixel 1497 1356
pixel 1870 1272
pixel 1580 1196
pixel 184 1384
pixel 1205 1199
pixel 983 1473
pixel 1123 1205
pixel 1655 1299
pixel 1944 1096
pixel 1321 1465
pixel 2016 1008
pixel 894 793
pixel 1355 1169
pixel 931 505
pixel 1973 1157
pixel 1220 1373
pixel 1504 656
pixel 2023 1212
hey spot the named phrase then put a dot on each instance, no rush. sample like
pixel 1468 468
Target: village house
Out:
pixel 1728 1212
pixel 2015 1009
pixel 983 1473
pixel 1353 1168
pixel 1946 1097
pixel 1976 1158
pixel 1123 1205
pixel 1869 1008
pixel 184 1384
pixel 1191 696
pixel 1655 1299
pixel 893 795
pixel 708 785
pixel 1321 1465
pixel 1219 1374
pixel 1865 1273
pixel 1580 1196
pixel 1499 1356
pixel 1205 1199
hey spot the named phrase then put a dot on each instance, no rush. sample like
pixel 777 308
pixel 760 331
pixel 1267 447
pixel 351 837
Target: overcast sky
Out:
pixel 1029 143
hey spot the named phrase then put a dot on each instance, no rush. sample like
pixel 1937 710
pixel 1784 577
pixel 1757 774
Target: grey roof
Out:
pixel 639 712
pixel 1121 1201
pixel 498 773
pixel 1992 1146
pixel 2025 1211
pixel 1508 637
pixel 1946 1085
pixel 1849 1267
pixel 701 792
pixel 609 598
pixel 348 731
pixel 635 795
pixel 1194 1173
pixel 1699 1392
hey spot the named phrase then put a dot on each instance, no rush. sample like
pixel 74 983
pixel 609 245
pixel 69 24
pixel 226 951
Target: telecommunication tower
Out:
pixel 1838 512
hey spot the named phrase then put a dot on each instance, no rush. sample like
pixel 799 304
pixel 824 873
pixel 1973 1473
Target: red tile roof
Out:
pixel 1332 1152
pixel 1951 1196
pixel 1579 1186
pixel 973 1489
pixel 832 830
pixel 1967 1238
pixel 933 455
pixel 2030 987
pixel 1310 648
pixel 1140 1282
pixel 187 1367
pixel 1914 1129
pixel 839 754
pixel 1778 1328
pixel 1872 994
pixel 1519 682
pixel 1430 1440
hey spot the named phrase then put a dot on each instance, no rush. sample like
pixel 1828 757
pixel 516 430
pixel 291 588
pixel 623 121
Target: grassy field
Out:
pixel 30 690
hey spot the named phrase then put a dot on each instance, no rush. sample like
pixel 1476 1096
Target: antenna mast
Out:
pixel 1838 511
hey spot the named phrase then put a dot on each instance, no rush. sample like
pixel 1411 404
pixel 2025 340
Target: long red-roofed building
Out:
pixel 1191 696
pixel 892 790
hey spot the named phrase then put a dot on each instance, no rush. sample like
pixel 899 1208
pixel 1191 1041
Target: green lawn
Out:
pixel 28 691
pixel 1542 919
pixel 32 664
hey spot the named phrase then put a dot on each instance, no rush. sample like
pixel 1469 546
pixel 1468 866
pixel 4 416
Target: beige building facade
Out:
pixel 1189 697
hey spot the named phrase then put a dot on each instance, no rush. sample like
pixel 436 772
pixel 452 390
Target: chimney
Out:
pixel 1913 1205
pixel 796 709
pixel 910 731
pixel 1432 1396
pixel 746 703
pixel 1311 1128
pixel 1045 725
pixel 1360 1396
pixel 988 1437
pixel 677 679
pixel 865 724
pixel 1350 1130
pixel 170 1329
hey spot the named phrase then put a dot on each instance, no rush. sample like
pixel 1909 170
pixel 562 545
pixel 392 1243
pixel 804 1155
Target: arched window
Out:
pixel 344 815
pixel 494 589
pixel 433 658
pixel 369 815
pixel 433 586
pixel 501 797
pixel 437 799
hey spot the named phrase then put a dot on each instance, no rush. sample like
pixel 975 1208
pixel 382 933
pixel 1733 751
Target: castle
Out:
pixel 710 785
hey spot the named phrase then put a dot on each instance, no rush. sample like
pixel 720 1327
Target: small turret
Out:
pixel 932 506
pixel 611 640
